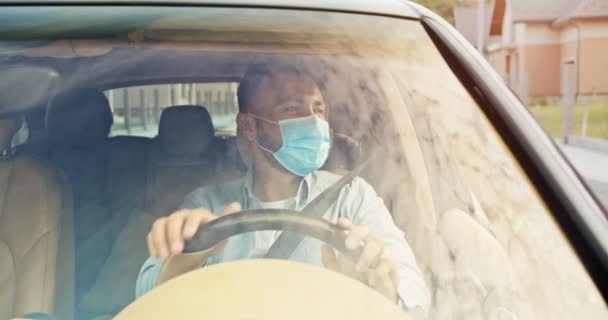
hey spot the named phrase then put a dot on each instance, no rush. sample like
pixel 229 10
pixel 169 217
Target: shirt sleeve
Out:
pixel 148 274
pixel 193 200
pixel 150 270
pixel 364 207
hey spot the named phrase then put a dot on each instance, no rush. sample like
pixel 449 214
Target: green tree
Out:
pixel 445 8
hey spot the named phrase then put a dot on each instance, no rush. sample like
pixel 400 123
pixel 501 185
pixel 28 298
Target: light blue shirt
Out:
pixel 357 201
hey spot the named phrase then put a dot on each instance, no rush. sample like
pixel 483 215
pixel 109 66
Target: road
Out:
pixel 593 166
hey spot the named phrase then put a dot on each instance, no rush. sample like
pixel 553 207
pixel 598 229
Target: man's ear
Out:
pixel 246 126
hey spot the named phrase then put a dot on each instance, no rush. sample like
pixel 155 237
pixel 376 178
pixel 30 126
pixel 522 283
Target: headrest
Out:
pixel 79 117
pixel 185 130
pixel 8 127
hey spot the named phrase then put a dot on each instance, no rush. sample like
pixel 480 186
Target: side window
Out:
pixel 137 110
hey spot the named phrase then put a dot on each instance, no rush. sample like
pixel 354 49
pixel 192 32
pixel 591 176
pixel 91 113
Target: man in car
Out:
pixel 283 125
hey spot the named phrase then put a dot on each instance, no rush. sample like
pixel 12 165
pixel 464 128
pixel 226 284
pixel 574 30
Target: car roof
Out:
pixel 400 8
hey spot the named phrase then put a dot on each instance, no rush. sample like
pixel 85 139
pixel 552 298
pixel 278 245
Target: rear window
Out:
pixel 137 109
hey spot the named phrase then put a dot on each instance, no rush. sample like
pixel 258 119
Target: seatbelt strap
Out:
pixel 287 242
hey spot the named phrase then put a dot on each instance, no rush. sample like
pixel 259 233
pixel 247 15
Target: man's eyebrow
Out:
pixel 288 100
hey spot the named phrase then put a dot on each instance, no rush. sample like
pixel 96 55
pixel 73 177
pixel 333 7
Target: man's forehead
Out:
pixel 289 81
pixel 281 86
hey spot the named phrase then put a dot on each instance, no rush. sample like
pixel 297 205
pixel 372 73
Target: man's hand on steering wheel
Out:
pixel 168 234
pixel 373 268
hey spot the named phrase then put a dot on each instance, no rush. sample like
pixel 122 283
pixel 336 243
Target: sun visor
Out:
pixel 16 79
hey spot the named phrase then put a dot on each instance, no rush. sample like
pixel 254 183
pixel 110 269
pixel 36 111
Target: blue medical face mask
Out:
pixel 305 144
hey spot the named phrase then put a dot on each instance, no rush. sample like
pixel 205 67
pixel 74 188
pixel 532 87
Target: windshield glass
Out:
pixel 171 110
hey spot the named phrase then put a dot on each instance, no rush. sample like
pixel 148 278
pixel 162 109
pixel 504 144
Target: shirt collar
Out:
pixel 301 195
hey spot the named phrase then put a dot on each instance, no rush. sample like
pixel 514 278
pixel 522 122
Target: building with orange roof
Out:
pixel 545 48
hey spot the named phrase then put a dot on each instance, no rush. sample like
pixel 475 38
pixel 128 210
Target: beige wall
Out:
pixel 538 33
pixel 593 53
pixel 569 50
pixel 594 66
pixel 542 50
pixel 543 55
pixel 546 49
pixel 543 69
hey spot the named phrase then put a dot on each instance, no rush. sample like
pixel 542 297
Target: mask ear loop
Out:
pixel 257 117
pixel 256 139
pixel 262 147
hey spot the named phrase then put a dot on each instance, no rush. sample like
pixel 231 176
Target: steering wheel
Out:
pixel 263 288
pixel 227 226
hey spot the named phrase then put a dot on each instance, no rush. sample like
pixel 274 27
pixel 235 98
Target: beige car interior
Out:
pixel 36 234
pixel 275 297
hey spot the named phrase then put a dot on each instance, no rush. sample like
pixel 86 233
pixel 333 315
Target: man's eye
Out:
pixel 290 109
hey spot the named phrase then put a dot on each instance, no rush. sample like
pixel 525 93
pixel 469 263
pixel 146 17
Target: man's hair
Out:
pixel 250 82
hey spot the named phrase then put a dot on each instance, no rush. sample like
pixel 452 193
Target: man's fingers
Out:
pixel 175 230
pixel 200 216
pixel 381 279
pixel 231 208
pixel 328 258
pixel 393 268
pixel 193 221
pixel 344 224
pixel 159 239
pixel 168 234
pixel 150 243
pixel 372 267
pixel 371 254
pixel 376 276
pixel 355 236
